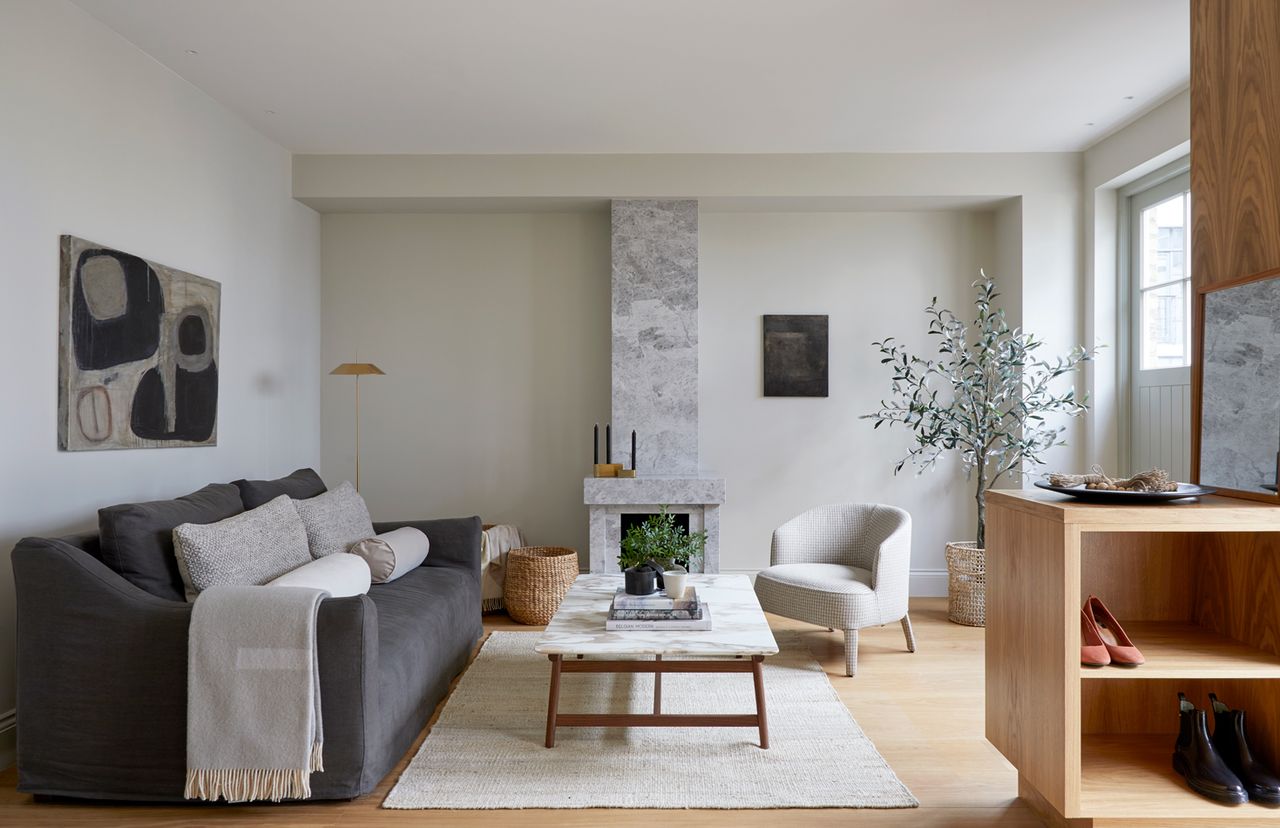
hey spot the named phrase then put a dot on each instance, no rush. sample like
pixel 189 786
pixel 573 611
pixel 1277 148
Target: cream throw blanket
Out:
pixel 495 543
pixel 253 694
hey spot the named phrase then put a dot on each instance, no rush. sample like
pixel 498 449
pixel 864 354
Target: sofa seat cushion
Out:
pixel 428 621
pixel 302 484
pixel 818 577
pixel 137 538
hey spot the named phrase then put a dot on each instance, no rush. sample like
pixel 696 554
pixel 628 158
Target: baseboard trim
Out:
pixel 928 583
pixel 925 583
pixel 8 738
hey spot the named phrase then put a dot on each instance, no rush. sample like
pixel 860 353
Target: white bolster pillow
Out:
pixel 393 553
pixel 340 574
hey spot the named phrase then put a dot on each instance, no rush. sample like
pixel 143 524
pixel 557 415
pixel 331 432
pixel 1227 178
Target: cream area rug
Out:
pixel 486 750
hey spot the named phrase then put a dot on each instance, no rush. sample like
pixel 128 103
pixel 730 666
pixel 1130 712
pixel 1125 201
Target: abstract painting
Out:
pixel 795 356
pixel 138 352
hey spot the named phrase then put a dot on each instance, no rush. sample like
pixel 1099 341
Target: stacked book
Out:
pixel 657 612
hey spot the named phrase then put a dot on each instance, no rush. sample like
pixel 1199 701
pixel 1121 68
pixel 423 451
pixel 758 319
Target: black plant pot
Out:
pixel 640 580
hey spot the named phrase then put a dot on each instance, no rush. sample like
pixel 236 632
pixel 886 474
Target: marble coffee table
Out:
pixel 739 643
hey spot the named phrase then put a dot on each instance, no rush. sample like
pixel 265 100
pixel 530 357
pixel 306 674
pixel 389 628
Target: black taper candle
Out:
pixel 633 449
pixel 595 445
pixel 608 442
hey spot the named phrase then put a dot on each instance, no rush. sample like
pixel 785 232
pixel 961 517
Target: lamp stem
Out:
pixel 357 432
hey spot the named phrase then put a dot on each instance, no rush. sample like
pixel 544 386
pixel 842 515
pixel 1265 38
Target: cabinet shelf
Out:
pixel 1129 775
pixel 1186 651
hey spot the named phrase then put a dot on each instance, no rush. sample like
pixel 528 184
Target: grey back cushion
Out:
pixel 248 549
pixel 137 538
pixel 300 485
pixel 335 520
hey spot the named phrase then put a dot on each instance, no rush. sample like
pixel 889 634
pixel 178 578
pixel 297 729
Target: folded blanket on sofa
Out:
pixel 253 694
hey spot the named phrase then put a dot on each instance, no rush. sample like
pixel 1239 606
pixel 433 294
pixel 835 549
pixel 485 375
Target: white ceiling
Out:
pixel 663 76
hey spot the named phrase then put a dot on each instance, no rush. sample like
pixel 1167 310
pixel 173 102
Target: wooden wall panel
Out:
pixel 1235 139
pixel 1235 158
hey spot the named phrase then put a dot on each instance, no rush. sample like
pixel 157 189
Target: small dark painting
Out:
pixel 795 356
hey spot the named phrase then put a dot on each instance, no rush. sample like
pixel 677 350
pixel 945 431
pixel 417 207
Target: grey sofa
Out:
pixel 102 668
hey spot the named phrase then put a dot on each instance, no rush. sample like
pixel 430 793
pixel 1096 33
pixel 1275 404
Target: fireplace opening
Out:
pixel 635 519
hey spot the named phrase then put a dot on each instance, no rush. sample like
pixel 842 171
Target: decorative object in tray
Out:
pixel 657 612
pixel 1153 486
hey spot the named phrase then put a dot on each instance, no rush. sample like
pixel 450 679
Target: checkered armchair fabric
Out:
pixel 845 566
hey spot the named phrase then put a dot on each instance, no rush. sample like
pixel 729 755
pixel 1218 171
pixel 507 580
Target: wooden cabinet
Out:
pixel 1197 586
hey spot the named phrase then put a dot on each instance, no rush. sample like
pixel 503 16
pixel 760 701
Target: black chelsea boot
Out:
pixel 1197 761
pixel 1228 739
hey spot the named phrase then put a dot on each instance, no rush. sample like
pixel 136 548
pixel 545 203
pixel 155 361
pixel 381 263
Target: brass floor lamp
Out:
pixel 357 370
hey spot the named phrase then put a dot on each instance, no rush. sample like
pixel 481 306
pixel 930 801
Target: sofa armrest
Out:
pixel 102 681
pixel 102 677
pixel 454 541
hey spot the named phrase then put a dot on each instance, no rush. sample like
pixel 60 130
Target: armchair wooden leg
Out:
pixel 909 633
pixel 850 652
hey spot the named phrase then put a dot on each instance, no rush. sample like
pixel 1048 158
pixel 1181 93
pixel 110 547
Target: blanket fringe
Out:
pixel 245 784
pixel 491 604
pixel 317 757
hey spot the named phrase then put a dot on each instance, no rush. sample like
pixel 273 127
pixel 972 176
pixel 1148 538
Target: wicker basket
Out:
pixel 966 584
pixel 537 579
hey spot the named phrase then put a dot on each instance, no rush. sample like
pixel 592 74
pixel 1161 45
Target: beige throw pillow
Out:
pixel 248 549
pixel 335 520
pixel 393 553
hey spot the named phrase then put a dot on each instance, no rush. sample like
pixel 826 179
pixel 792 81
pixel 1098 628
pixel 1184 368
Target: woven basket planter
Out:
pixel 537 579
pixel 966 584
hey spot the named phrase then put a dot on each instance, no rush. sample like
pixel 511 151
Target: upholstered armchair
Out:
pixel 844 567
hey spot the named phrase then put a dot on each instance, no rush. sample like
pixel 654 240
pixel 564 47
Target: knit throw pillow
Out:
pixel 246 550
pixel 335 520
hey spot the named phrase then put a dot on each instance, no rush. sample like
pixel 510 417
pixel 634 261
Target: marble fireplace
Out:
pixel 654 380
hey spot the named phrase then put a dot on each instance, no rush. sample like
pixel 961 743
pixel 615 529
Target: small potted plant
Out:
pixel 655 546
pixel 987 396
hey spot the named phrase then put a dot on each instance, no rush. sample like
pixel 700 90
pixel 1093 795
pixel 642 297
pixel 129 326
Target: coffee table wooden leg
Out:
pixel 757 672
pixel 657 687
pixel 553 700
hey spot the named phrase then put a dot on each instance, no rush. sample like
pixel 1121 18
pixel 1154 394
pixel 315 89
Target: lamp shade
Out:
pixel 357 369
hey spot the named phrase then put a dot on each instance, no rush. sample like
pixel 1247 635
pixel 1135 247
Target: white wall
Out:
pixel 100 141
pixel 873 274
pixel 1039 195
pixel 494 333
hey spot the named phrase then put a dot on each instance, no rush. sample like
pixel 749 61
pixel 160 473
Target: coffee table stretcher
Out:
pixel 657 718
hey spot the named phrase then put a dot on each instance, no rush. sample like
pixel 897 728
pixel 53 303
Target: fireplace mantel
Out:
pixel 608 498
pixel 640 490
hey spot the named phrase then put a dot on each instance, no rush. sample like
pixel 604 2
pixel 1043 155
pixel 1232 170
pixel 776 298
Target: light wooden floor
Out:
pixel 922 710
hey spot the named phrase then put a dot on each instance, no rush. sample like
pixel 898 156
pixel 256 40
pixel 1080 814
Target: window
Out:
pixel 1163 282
